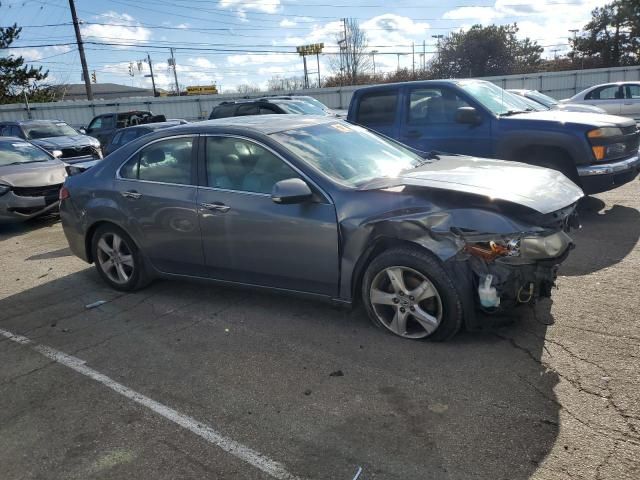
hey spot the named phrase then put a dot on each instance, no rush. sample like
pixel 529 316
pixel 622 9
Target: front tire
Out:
pixel 407 292
pixel 117 259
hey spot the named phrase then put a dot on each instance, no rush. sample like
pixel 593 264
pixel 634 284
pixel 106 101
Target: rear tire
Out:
pixel 407 292
pixel 117 259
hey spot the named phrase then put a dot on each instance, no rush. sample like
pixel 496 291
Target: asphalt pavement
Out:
pixel 192 381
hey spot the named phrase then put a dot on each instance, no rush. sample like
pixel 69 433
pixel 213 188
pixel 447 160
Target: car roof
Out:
pixel 418 83
pixel 265 124
pixel 153 126
pixel 37 122
pixel 12 139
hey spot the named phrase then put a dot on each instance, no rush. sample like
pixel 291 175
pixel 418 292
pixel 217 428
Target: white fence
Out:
pixel 80 112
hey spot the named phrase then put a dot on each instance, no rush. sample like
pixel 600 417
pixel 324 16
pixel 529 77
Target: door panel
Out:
pixel 429 123
pixel 631 105
pixel 248 238
pixel 158 195
pixel 610 98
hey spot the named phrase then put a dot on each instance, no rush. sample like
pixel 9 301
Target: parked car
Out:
pixel 622 98
pixel 55 136
pixel 473 117
pixel 318 206
pixel 265 106
pixel 553 104
pixel 30 180
pixel 103 126
pixel 126 135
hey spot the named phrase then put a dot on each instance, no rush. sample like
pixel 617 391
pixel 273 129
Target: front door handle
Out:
pixel 131 194
pixel 220 207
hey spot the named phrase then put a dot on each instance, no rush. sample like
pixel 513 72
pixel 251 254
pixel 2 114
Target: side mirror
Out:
pixel 468 115
pixel 291 190
pixel 57 153
pixel 82 130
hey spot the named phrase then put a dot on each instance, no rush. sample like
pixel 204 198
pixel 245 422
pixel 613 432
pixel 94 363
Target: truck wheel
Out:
pixel 407 292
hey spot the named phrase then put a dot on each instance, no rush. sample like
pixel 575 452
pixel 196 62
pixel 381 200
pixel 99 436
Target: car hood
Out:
pixel 578 107
pixel 36 174
pixel 537 188
pixel 51 143
pixel 577 118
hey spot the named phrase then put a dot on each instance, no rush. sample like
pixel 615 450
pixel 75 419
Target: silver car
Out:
pixel 622 98
pixel 30 180
pixel 552 104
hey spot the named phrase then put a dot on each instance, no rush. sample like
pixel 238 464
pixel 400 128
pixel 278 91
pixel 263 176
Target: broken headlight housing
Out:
pixel 526 247
pixel 4 188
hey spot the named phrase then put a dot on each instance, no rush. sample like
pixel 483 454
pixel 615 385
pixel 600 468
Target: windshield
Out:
pixel 348 154
pixel 546 100
pixel 299 107
pixel 315 102
pixel 45 130
pixel 13 153
pixel 494 98
pixel 532 104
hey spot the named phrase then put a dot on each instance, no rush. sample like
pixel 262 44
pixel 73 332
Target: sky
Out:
pixel 235 42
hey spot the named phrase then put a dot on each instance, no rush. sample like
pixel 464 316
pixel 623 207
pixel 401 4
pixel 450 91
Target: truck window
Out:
pixel 377 108
pixel 223 111
pixel 434 105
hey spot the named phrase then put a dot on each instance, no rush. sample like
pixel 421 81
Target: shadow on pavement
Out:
pixel 606 237
pixel 481 406
pixel 8 230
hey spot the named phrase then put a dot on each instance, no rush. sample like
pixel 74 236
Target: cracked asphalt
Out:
pixel 555 395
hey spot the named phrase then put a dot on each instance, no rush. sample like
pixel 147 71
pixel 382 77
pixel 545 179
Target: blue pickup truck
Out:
pixel 473 117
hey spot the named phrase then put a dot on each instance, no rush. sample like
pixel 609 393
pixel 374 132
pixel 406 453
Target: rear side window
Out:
pixel 434 105
pixel 605 93
pixel 223 111
pixel 166 161
pixel 377 108
pixel 247 110
pixel 633 92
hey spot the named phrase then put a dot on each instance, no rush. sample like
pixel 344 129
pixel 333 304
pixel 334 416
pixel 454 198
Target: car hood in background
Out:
pixel 51 143
pixel 587 119
pixel 35 174
pixel 578 107
pixel 540 189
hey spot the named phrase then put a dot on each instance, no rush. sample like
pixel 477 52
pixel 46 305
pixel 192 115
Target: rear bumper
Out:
pixel 600 178
pixel 73 229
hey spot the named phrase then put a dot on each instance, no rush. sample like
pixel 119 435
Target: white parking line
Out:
pixel 246 454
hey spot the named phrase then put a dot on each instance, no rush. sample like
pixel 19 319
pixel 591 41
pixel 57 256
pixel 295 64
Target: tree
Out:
pixel 246 89
pixel 278 83
pixel 612 37
pixel 354 59
pixel 15 76
pixel 483 51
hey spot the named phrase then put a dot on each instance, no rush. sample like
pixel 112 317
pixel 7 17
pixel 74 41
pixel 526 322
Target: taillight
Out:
pixel 64 193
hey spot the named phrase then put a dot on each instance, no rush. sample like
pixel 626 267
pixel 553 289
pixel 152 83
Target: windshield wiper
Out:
pixel 513 112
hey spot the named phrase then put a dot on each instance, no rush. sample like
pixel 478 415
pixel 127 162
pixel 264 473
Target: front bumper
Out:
pixel 606 176
pixel 14 208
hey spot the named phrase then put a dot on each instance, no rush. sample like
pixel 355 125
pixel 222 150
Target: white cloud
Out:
pixel 548 23
pixel 266 6
pixel 252 59
pixel 287 23
pixel 117 29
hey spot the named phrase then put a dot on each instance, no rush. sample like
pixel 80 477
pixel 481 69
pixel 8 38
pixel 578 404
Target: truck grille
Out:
pixel 79 152
pixel 49 192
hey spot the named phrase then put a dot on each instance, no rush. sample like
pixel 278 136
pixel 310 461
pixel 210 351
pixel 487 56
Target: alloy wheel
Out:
pixel 406 302
pixel 115 258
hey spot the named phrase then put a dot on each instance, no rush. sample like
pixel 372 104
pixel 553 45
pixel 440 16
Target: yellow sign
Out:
pixel 312 49
pixel 202 90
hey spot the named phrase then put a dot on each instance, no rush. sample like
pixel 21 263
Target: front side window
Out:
pixel 604 93
pixel 434 105
pixel 348 154
pixel 377 108
pixel 166 161
pixel 241 165
pixel 494 98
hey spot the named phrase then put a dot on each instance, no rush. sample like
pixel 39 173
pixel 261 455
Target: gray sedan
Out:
pixel 30 179
pixel 320 207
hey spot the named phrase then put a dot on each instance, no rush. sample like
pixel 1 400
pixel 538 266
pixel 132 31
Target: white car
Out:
pixel 553 104
pixel 622 98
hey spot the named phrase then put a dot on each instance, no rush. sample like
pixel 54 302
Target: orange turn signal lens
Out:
pixel 598 151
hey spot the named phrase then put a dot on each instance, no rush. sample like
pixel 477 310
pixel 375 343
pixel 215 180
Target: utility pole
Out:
pixel 398 69
pixel 424 57
pixel 373 57
pixel 306 75
pixel 575 38
pixel 438 38
pixel 413 59
pixel 346 44
pixel 175 73
pixel 83 60
pixel 153 80
pixel 318 63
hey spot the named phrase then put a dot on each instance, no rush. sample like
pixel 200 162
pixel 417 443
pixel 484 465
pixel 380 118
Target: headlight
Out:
pixel 605 132
pixel 544 247
pixel 4 189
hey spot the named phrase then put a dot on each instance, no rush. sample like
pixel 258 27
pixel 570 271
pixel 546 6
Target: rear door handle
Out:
pixel 220 207
pixel 131 194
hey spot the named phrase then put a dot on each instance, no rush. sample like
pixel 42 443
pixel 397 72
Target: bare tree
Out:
pixel 246 89
pixel 278 83
pixel 354 59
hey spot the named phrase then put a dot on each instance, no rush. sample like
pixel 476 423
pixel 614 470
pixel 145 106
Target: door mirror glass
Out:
pixel 468 115
pixel 291 190
pixel 82 131
pixel 57 153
